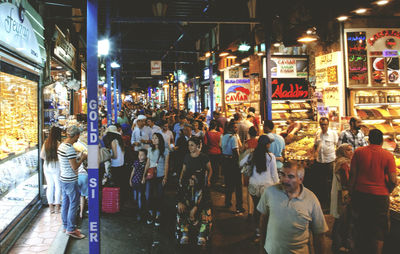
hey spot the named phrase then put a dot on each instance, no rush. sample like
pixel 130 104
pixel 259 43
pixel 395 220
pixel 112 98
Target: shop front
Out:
pixel 22 57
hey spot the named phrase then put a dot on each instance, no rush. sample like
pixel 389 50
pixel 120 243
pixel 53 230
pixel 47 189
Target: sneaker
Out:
pixel 157 222
pixel 201 241
pixel 76 234
pixel 240 210
pixel 184 240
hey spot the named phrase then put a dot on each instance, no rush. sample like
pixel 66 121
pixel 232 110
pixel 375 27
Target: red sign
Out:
pixel 289 88
pixel 237 93
pixel 382 34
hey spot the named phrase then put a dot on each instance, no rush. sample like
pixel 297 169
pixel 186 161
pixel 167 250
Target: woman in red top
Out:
pixel 211 141
pixel 251 143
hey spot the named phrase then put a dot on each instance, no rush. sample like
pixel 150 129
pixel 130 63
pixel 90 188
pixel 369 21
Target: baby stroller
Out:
pixel 194 214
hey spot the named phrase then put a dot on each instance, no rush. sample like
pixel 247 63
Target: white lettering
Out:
pixel 93 182
pixel 92 127
pixel 93 193
pixel 93 226
pixel 93 237
pixel 92 104
pixel 93 138
pixel 92 115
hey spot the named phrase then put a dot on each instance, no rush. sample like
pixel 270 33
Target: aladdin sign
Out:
pixel 289 88
pixel 17 34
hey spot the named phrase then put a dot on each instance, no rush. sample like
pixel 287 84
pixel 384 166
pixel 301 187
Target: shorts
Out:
pixel 83 184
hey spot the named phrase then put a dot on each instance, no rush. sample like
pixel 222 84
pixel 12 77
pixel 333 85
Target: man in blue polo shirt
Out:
pixel 278 145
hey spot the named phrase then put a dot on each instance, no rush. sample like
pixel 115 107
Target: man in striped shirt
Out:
pixel 69 165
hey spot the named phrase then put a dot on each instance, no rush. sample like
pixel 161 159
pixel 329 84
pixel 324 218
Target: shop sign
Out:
pixel 206 73
pixel 326 68
pixel 390 53
pixel 237 90
pixel 289 88
pixel 64 50
pixel 155 67
pixel 357 57
pixel 286 67
pixel 16 32
pixel 382 34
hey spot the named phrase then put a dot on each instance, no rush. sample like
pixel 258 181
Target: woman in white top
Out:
pixel 265 172
pixel 51 169
pixel 197 132
pixel 113 140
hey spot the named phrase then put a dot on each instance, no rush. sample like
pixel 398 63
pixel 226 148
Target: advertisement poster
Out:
pixel 237 91
pixel 289 67
pixel 289 88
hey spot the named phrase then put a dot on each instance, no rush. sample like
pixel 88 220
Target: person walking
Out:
pixel 155 177
pixel 353 136
pixel 372 179
pixel 340 198
pixel 51 169
pixel 230 167
pixel 211 142
pixel 288 212
pixel 325 148
pixel 69 166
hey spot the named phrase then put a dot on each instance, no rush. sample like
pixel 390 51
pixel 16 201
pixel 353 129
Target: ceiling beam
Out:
pixel 187 20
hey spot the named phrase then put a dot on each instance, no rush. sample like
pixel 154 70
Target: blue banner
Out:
pixel 93 130
pixel 115 97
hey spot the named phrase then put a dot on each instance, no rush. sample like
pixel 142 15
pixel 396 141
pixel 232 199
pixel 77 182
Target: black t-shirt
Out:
pixel 196 166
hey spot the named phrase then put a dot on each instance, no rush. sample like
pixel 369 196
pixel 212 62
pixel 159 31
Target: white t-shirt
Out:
pixel 326 146
pixel 268 177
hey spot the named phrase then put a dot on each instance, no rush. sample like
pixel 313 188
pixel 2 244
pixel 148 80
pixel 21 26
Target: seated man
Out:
pixel 194 210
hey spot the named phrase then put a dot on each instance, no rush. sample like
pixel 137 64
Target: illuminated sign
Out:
pixel 289 88
pixel 390 43
pixel 382 34
pixel 155 68
pixel 206 73
pixel 237 94
pixel 390 53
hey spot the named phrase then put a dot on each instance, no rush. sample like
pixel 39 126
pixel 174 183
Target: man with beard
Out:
pixel 353 136
pixel 301 211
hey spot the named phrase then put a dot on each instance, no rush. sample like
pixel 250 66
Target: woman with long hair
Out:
pixel 158 158
pixel 211 142
pixel 51 169
pixel 113 140
pixel 264 174
pixel 339 198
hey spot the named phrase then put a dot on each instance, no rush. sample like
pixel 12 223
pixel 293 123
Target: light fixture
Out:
pixel 115 65
pixel 260 53
pixel 208 54
pixel 382 2
pixel 244 47
pixel 231 57
pixel 59 67
pixel 342 18
pixel 245 60
pixel 307 39
pixel 236 64
pixel 222 54
pixel 103 47
pixel 361 11
pixel 277 44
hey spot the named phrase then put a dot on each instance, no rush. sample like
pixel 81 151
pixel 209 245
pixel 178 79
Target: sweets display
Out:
pixel 291 110
pixel 18 115
pixel 301 149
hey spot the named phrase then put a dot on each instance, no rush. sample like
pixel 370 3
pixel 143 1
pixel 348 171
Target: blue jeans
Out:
pixel 154 194
pixel 70 204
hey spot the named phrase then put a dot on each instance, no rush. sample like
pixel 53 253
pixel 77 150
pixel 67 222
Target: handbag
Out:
pixel 247 167
pixel 152 172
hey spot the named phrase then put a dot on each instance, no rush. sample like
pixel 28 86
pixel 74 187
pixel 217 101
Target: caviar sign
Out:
pixel 289 88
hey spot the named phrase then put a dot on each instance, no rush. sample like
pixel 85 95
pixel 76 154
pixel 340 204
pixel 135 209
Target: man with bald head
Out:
pixel 288 210
pixel 353 136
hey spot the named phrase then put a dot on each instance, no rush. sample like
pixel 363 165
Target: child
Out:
pixel 135 181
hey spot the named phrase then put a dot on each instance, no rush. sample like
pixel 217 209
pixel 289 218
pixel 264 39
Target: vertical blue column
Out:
pixel 195 94
pixel 119 90
pixel 115 97
pixel 108 67
pixel 93 133
pixel 211 92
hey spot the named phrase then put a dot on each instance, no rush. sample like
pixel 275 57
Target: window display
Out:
pixel 18 146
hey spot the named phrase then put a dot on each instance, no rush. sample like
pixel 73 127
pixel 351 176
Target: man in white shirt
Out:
pixel 141 135
pixel 325 148
pixel 167 135
pixel 154 128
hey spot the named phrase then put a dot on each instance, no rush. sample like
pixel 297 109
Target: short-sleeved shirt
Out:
pixel 373 163
pixel 277 147
pixel 65 153
pixel 356 141
pixel 228 143
pixel 157 161
pixel 326 146
pixel 139 171
pixel 211 139
pixel 196 166
pixel 139 134
pixel 290 220
pixel 168 135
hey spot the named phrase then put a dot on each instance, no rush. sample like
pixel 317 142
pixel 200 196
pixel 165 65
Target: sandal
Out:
pixel 76 234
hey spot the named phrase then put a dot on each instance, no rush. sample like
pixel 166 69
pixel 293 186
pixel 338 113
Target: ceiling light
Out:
pixel 382 2
pixel 236 64
pixel 342 18
pixel 103 47
pixel 244 47
pixel 260 53
pixel 231 57
pixel 307 39
pixel 277 44
pixel 222 54
pixel 115 65
pixel 59 67
pixel 361 11
pixel 208 54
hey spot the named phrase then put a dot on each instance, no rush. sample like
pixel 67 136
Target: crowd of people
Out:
pixel 148 146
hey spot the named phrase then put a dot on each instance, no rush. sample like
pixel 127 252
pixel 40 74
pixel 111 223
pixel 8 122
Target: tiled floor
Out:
pixel 39 235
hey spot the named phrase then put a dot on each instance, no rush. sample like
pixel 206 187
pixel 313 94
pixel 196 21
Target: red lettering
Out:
pixel 381 34
pixel 298 93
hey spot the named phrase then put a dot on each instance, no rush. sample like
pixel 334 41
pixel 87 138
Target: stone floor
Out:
pixel 39 235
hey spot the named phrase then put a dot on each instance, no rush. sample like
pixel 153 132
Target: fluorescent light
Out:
pixel 103 47
pixel 307 39
pixel 231 57
pixel 59 67
pixel 115 65
pixel 342 18
pixel 382 2
pixel 361 11
pixel 222 54
pixel 244 47
pixel 277 44
pixel 21 49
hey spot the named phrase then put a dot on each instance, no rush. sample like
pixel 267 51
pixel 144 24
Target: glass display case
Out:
pixel 19 153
